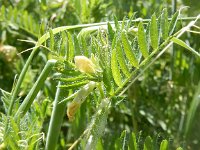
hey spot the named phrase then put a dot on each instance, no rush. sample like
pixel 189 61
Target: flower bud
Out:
pixel 84 64
pixel 71 110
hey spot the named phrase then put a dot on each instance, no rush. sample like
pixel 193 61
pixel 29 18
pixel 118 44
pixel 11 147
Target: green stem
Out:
pixel 17 88
pixel 35 89
pixel 56 119
pixel 63 28
pixel 19 82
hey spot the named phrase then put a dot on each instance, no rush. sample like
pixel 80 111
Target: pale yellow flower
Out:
pixel 84 64
pixel 71 110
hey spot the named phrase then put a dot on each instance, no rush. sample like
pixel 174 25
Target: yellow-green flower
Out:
pixel 84 64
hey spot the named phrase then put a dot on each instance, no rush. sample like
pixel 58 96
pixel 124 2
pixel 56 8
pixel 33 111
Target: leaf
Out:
pixel 42 31
pixel 123 138
pixel 130 20
pixel 107 80
pixel 154 32
pixel 148 35
pixel 110 31
pixel 84 10
pixel 121 143
pixel 94 47
pixel 9 13
pixel 15 16
pixel 25 19
pixel 71 47
pixel 74 85
pixel 133 143
pixel 123 23
pixel 30 23
pixel 3 10
pixel 193 109
pixel 52 44
pixel 142 40
pixel 15 129
pixel 164 145
pixel 63 45
pixel 115 68
pixel 164 24
pixel 6 96
pixel 86 32
pixel 179 148
pixel 77 46
pixel 73 79
pixel 99 145
pixel 173 22
pixel 84 47
pixel 159 29
pixel 116 23
pixel 114 41
pixel 128 50
pixel 148 145
pixel 121 60
pixel 183 44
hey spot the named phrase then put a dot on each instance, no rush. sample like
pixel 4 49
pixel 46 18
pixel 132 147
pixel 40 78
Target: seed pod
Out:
pixel 84 64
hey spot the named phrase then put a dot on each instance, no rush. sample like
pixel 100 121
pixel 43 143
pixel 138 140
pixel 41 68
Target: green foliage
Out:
pixel 115 68
pixel 142 40
pixel 118 53
pixel 26 132
pixel 20 20
pixel 154 32
pixel 128 50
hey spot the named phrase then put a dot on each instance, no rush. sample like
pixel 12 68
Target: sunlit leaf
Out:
pixel 154 32
pixel 164 24
pixel 173 22
pixel 128 50
pixel 142 40
pixel 115 68
pixel 183 44
pixel 164 145
pixel 121 60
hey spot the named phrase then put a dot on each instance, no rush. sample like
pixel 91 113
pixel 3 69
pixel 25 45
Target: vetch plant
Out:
pixel 117 59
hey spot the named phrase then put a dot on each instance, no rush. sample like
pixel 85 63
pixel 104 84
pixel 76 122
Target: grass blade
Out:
pixel 192 110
